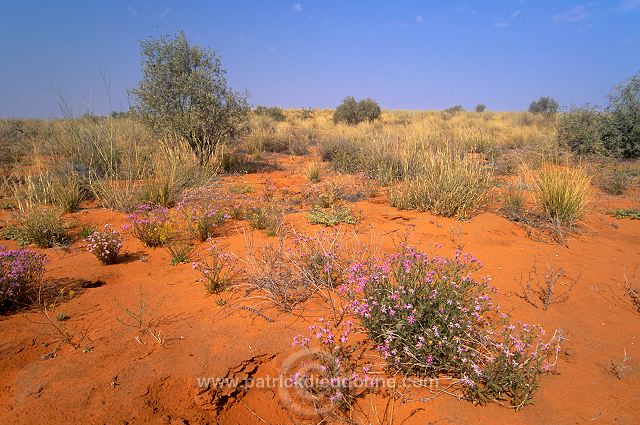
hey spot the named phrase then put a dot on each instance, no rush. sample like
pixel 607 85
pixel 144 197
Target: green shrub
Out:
pixel 582 130
pixel 448 184
pixel 544 105
pixel 624 106
pixel 480 107
pixel 184 93
pixel 614 181
pixel 625 213
pixel 269 218
pixel 273 112
pixel 332 216
pixel 352 112
pixel 454 109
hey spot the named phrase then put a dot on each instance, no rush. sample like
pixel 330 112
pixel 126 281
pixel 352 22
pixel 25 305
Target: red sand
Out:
pixel 122 380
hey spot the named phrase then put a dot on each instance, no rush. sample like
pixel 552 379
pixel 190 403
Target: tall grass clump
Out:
pixel 563 192
pixel 42 226
pixel 448 184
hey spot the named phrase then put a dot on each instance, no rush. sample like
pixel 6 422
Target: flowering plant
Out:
pixel 428 316
pixel 150 223
pixel 201 214
pixel 216 274
pixel 20 271
pixel 331 374
pixel 105 244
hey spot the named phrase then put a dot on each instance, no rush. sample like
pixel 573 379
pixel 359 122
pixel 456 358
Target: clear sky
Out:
pixel 405 54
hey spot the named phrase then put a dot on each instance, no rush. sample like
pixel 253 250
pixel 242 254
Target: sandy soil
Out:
pixel 115 378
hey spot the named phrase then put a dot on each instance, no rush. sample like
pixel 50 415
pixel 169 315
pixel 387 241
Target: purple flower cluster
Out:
pixel 216 274
pixel 105 244
pixel 338 378
pixel 151 224
pixel 201 212
pixel 20 271
pixel 429 316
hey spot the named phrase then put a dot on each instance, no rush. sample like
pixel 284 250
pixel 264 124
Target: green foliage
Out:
pixel 625 213
pixel 429 316
pixel 273 112
pixel 624 106
pixel 180 253
pixel 481 107
pixel 351 111
pixel 544 105
pixel 332 216
pixel 269 217
pixel 582 130
pixel 184 94
pixel 454 109
pixel 614 181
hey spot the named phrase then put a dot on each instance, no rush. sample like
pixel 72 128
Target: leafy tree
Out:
pixel 352 112
pixel 183 93
pixel 624 106
pixel 481 107
pixel 544 105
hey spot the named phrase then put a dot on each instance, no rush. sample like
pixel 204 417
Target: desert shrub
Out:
pixel 270 271
pixel 344 154
pixel 583 130
pixel 298 146
pixel 324 195
pixel 105 244
pixel 544 105
pixel 217 273
pixel 480 108
pixel 150 224
pixel 429 316
pixel 624 107
pixel 613 181
pixel 454 109
pixel 202 213
pixel 563 192
pixel 331 216
pixel 273 112
pixel 184 93
pixel 448 185
pixel 14 141
pixel 21 272
pixel 351 111
pixel 269 217
pixel 42 226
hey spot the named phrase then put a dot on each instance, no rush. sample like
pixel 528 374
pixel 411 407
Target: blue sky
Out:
pixel 405 54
